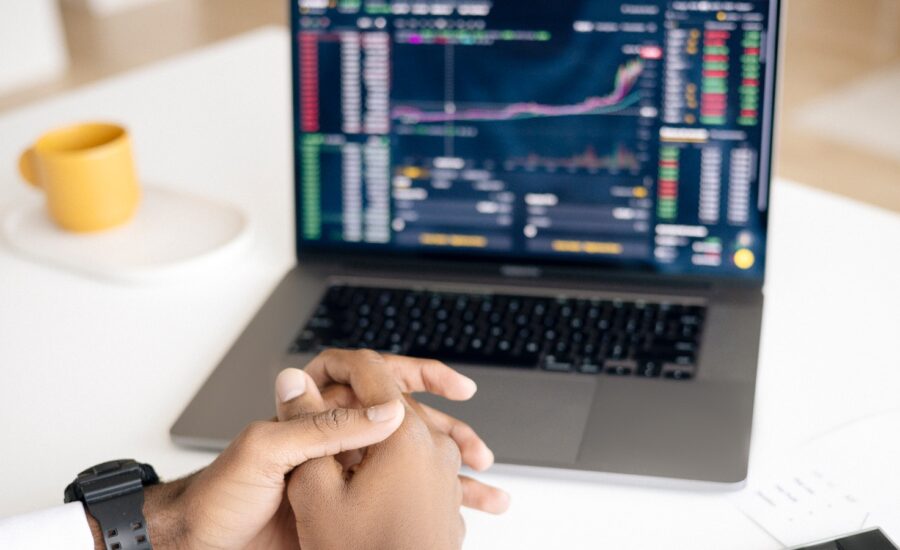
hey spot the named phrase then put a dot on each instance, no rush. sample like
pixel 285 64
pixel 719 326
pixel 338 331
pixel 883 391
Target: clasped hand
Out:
pixel 351 462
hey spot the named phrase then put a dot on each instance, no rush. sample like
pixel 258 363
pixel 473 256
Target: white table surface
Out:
pixel 217 123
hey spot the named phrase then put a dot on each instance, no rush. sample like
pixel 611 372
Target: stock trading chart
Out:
pixel 625 132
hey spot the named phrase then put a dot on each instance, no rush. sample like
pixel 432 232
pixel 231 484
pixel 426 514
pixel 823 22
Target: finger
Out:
pixel 365 371
pixel 483 497
pixel 475 453
pixel 427 375
pixel 296 394
pixel 340 396
pixel 409 373
pixel 279 447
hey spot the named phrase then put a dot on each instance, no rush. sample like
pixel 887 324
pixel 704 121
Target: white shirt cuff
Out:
pixel 64 526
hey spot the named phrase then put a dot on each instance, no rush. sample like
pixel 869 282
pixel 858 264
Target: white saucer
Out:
pixel 171 235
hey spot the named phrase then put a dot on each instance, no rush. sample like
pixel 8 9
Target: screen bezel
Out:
pixel 362 254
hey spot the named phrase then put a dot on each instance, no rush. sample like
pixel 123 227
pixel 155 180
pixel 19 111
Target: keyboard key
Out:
pixel 649 369
pixel 551 363
pixel 589 367
pixel 304 343
pixel 619 367
pixel 674 371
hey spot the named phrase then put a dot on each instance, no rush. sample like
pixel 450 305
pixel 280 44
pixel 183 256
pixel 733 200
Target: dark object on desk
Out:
pixel 867 540
pixel 586 240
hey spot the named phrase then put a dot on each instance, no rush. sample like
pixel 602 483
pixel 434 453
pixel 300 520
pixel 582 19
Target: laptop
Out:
pixel 566 201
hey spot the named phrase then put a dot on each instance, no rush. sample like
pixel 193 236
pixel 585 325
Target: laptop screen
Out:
pixel 616 133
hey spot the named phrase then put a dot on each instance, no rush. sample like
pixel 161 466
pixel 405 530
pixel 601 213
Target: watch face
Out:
pixel 89 477
pixel 122 464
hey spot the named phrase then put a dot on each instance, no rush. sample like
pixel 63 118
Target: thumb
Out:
pixel 327 433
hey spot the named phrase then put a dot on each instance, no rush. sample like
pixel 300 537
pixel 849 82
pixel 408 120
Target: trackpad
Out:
pixel 526 417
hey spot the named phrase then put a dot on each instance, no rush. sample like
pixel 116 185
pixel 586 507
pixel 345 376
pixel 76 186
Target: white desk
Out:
pixel 218 123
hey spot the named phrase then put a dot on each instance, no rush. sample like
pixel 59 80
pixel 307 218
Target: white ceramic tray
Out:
pixel 172 235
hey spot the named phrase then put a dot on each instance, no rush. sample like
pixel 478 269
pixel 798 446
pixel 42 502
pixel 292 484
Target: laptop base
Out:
pixel 694 430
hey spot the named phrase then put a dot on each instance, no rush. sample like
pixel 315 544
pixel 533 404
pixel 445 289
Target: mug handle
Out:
pixel 26 167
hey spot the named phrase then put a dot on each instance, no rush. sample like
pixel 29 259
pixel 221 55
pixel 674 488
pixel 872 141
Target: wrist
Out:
pixel 165 521
pixel 95 530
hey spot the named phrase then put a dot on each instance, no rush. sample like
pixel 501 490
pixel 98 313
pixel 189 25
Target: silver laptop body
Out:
pixel 430 170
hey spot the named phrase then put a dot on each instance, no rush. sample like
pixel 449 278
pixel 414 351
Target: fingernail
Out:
pixel 383 413
pixel 473 387
pixel 290 384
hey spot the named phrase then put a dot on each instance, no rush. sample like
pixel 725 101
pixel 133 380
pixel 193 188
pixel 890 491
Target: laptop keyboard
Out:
pixel 620 338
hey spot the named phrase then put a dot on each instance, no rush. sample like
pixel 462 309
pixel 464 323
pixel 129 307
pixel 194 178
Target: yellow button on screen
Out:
pixel 744 259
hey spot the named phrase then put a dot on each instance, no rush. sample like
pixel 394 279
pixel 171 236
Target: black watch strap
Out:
pixel 113 493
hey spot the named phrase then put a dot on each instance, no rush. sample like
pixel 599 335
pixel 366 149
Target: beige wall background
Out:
pixel 841 58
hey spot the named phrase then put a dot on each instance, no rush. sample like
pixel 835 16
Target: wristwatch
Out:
pixel 113 493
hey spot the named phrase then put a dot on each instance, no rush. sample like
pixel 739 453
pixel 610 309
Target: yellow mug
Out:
pixel 87 174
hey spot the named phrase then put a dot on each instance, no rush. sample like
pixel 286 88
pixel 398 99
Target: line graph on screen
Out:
pixel 623 96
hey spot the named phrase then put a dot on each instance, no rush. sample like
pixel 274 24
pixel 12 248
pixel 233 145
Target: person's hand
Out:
pixel 238 501
pixel 338 374
pixel 402 493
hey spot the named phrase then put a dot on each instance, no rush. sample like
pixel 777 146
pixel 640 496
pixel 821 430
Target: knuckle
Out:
pixel 251 438
pixel 417 428
pixel 414 427
pixel 409 441
pixel 296 415
pixel 462 430
pixel 428 382
pixel 254 432
pixel 333 420
pixel 450 451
